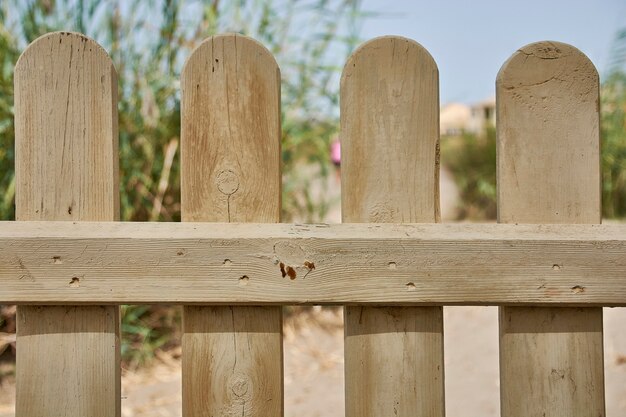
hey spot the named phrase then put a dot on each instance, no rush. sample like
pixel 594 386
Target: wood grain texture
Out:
pixel 390 173
pixel 66 162
pixel 66 167
pixel 230 144
pixel 408 264
pixel 73 352
pixel 235 359
pixel 390 133
pixel 230 150
pixel 551 360
pixel 548 137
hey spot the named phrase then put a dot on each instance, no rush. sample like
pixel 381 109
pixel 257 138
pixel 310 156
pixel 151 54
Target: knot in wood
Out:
pixel 380 212
pixel 544 50
pixel 227 182
pixel 289 252
pixel 239 385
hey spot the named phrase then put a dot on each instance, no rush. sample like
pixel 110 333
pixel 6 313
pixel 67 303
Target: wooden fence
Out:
pixel 551 273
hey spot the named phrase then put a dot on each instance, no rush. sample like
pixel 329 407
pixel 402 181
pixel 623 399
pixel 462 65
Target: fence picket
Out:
pixel 390 173
pixel 230 144
pixel 67 169
pixel 551 360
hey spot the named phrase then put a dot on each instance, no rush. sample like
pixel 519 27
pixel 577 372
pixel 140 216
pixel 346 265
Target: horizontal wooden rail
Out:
pixel 255 264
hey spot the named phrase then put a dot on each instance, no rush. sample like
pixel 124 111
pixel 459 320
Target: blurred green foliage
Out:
pixel 472 161
pixel 148 329
pixel 9 52
pixel 613 125
pixel 148 41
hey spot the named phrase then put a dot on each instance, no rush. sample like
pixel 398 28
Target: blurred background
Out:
pixel 149 41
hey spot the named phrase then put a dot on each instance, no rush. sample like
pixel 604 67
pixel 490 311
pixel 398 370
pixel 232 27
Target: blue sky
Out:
pixel 470 40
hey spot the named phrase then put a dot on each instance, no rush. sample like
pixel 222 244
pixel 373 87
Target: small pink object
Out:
pixel 335 152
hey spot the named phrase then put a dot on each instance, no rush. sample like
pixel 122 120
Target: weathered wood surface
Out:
pixel 232 356
pixel 230 147
pixel 353 263
pixel 390 174
pixel 390 133
pixel 551 360
pixel 66 167
pixel 548 136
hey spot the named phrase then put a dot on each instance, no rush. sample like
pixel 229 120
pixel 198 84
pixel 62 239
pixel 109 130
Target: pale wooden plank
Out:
pixel 354 263
pixel 390 173
pixel 231 128
pixel 601 236
pixel 66 169
pixel 551 360
pixel 75 358
pixel 234 360
pixel 230 150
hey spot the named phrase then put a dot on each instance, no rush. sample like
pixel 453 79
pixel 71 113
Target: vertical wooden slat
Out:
pixel 66 167
pixel 551 360
pixel 230 150
pixel 390 173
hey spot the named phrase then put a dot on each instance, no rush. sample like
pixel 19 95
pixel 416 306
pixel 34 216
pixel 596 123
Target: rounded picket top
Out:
pixel 66 130
pixel 52 45
pixel 390 133
pixel 549 62
pixel 548 127
pixel 377 49
pixel 230 131
pixel 209 50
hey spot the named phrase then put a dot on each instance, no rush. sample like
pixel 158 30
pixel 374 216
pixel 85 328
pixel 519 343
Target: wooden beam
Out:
pixel 255 264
